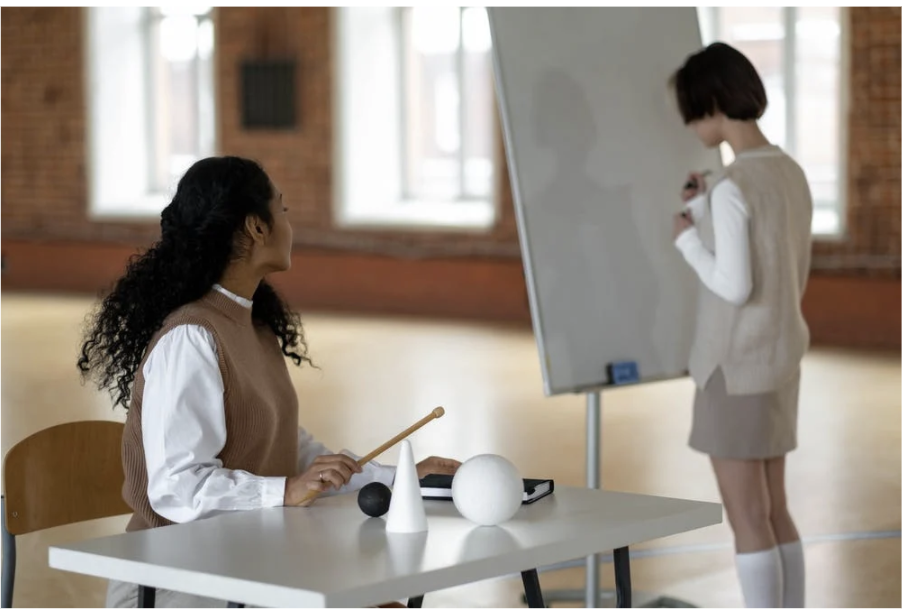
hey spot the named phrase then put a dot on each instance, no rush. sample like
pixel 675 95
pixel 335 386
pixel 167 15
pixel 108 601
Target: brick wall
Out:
pixel 300 160
pixel 874 184
pixel 44 188
pixel 43 166
pixel 43 191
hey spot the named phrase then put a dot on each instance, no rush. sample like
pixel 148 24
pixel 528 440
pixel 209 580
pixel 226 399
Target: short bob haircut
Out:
pixel 719 78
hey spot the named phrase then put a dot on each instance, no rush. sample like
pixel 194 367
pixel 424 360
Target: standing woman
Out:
pixel 749 242
pixel 193 342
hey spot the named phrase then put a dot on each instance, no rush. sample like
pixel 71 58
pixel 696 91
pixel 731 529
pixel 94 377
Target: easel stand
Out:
pixel 591 594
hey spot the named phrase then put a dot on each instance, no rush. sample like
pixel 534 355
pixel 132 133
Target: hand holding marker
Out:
pixel 692 184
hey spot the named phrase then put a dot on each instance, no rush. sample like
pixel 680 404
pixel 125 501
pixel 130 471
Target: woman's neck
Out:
pixel 239 279
pixel 743 136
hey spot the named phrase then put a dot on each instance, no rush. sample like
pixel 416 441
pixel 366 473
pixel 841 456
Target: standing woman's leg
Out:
pixel 745 496
pixel 791 551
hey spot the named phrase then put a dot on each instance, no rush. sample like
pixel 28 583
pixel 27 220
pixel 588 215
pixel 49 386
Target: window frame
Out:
pixel 397 213
pixel 789 52
pixel 407 190
pixel 153 198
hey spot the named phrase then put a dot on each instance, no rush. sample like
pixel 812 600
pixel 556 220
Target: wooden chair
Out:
pixel 61 475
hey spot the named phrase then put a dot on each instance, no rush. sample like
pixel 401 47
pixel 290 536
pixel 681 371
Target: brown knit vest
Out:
pixel 261 408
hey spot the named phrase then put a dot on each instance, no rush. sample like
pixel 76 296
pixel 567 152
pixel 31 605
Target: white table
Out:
pixel 332 555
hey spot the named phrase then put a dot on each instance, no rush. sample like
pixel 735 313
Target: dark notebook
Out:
pixel 440 487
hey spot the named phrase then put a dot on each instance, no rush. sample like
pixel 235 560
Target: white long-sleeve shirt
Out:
pixel 727 270
pixel 183 430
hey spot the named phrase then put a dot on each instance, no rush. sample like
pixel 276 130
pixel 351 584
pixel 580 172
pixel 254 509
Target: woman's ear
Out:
pixel 256 229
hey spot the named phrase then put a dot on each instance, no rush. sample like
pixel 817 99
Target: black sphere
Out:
pixel 374 499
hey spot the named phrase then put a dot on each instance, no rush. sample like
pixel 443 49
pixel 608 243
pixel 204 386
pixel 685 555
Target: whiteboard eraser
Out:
pixel 625 372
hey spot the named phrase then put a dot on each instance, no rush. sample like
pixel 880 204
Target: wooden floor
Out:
pixel 379 375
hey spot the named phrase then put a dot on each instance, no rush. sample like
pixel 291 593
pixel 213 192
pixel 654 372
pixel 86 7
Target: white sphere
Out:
pixel 487 489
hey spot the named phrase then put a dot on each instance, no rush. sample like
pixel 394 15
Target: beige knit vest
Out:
pixel 759 345
pixel 261 408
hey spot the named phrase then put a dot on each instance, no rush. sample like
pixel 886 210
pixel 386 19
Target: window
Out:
pixel 798 53
pixel 415 120
pixel 151 104
pixel 448 100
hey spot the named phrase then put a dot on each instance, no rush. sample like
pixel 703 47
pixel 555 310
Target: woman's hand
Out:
pixel 326 472
pixel 682 222
pixel 696 184
pixel 437 465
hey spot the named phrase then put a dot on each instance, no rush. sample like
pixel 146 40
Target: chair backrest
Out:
pixel 64 474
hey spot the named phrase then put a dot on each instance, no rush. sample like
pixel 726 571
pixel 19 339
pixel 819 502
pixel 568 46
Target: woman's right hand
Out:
pixel 695 184
pixel 326 472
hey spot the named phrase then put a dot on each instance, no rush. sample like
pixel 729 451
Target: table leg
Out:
pixel 533 589
pixel 415 602
pixel 622 577
pixel 146 597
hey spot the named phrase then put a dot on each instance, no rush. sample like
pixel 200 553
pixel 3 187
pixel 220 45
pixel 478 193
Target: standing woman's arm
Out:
pixel 727 272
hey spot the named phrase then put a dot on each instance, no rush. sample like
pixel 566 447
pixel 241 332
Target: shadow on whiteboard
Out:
pixel 591 262
pixel 597 156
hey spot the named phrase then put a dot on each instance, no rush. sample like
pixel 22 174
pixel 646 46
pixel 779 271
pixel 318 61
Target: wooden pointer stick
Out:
pixel 436 413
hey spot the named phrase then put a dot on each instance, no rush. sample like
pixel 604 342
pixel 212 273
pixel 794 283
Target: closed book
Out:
pixel 440 487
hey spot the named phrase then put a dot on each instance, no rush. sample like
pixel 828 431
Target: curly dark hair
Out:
pixel 201 232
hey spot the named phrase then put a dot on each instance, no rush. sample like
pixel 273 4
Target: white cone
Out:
pixel 406 513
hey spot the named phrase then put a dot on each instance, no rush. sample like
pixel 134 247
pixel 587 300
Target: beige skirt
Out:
pixel 759 426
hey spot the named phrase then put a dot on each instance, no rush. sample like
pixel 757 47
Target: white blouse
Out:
pixel 183 430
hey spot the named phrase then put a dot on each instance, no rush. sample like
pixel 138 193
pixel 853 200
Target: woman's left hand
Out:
pixel 437 465
pixel 683 221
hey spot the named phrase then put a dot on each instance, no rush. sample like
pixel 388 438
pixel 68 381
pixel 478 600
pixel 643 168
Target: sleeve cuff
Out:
pixel 384 474
pixel 273 492
pixel 376 471
pixel 688 240
pixel 697 206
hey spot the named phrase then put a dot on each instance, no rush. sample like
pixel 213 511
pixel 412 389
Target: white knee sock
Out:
pixel 760 573
pixel 792 555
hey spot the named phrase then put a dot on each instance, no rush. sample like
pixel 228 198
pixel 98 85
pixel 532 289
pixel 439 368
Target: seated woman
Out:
pixel 193 342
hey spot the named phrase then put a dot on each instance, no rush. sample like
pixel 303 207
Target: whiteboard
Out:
pixel 597 156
